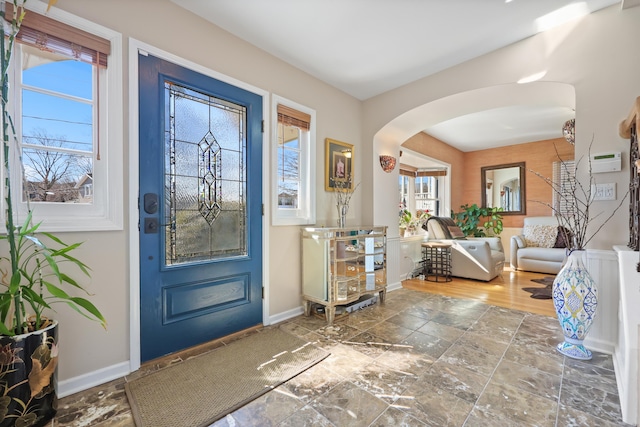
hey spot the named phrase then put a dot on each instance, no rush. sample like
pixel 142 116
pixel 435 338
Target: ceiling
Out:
pixel 368 47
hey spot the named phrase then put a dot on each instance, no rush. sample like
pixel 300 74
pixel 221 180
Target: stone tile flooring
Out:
pixel 417 360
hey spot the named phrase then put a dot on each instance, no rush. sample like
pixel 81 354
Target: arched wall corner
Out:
pixel 406 124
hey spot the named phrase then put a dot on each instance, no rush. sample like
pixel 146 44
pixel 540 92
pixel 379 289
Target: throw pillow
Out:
pixel 542 236
pixel 520 241
pixel 564 237
pixel 456 232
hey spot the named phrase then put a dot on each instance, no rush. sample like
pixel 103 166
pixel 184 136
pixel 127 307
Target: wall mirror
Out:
pixel 503 186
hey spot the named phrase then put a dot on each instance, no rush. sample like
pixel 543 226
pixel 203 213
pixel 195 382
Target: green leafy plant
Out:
pixel 31 276
pixel 476 221
pixel 405 218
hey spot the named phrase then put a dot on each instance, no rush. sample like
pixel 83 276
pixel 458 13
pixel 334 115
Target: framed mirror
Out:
pixel 503 186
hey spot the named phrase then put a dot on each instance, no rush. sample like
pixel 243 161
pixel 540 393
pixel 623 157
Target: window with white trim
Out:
pixel 293 189
pixel 427 194
pixel 66 104
pixel 564 184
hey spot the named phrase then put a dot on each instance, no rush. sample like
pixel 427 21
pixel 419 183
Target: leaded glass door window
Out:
pixel 205 171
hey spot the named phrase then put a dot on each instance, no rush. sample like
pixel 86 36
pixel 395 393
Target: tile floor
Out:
pixel 418 360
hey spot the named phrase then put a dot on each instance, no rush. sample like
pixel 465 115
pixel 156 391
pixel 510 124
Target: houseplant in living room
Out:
pixel 575 294
pixel 32 281
pixel 475 221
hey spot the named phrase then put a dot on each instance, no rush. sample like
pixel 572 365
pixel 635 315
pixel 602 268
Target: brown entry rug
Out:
pixel 203 389
pixel 542 293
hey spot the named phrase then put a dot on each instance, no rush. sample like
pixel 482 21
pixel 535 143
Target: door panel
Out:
pixel 200 208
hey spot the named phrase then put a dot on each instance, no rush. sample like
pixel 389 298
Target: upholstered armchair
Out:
pixel 540 247
pixel 479 258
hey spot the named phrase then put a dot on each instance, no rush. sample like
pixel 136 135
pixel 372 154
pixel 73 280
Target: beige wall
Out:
pixel 590 54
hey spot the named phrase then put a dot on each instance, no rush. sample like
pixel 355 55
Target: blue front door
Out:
pixel 200 208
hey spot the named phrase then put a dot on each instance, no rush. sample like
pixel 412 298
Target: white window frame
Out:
pixel 305 214
pixel 106 211
pixel 439 184
pixel 564 174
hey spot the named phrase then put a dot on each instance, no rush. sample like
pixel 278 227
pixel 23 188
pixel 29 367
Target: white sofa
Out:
pixel 532 251
pixel 479 258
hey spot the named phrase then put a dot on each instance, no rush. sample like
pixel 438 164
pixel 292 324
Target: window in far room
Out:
pixel 564 177
pixel 293 189
pixel 423 185
pixel 427 194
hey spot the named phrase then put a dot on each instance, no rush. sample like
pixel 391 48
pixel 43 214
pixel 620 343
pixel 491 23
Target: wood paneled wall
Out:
pixel 465 170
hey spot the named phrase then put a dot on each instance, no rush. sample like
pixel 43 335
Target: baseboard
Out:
pixel 606 347
pixel 394 286
pixel 92 379
pixel 286 315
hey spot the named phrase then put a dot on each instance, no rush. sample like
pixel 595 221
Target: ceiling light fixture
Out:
pixel 569 131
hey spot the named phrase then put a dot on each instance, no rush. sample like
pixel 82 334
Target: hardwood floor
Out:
pixel 503 291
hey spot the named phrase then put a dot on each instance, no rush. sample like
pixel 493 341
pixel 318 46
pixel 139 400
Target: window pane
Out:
pixel 56 73
pixel 288 195
pixel 50 120
pixel 288 163
pixel 55 176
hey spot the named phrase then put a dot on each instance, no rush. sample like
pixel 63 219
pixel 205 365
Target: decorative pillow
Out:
pixel 564 237
pixel 542 236
pixel 520 242
pixel 456 232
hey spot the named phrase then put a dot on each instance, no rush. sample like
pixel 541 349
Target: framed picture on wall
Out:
pixel 338 163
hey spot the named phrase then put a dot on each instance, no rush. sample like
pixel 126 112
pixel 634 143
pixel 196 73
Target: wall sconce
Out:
pixel 388 163
pixel 347 153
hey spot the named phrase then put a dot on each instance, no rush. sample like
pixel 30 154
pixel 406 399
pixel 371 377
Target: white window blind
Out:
pixel 564 176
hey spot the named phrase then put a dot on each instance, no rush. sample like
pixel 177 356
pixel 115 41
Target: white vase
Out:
pixel 575 298
pixel 342 214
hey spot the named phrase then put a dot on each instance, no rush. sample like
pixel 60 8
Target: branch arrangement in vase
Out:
pixel 576 199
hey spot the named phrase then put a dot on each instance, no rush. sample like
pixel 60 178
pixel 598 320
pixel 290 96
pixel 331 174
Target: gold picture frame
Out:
pixel 338 164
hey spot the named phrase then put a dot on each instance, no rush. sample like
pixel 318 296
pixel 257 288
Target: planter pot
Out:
pixel 28 378
pixel 575 298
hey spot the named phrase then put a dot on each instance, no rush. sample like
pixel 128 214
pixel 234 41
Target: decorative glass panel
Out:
pixel 205 177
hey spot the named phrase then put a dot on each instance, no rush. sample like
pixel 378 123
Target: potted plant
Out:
pixel 476 221
pixel 404 221
pixel 32 281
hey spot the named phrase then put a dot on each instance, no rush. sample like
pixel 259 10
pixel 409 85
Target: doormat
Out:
pixel 542 293
pixel 203 389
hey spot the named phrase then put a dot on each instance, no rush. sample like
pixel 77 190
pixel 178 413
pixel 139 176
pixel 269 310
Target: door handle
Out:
pixel 150 203
pixel 151 226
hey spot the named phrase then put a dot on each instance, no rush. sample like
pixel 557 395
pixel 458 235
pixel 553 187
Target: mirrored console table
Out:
pixel 340 265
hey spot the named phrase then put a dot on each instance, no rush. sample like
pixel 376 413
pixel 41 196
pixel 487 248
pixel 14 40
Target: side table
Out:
pixel 436 257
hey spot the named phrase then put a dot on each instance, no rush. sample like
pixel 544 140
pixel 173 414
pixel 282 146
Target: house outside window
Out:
pixel 293 188
pixel 426 188
pixel 66 104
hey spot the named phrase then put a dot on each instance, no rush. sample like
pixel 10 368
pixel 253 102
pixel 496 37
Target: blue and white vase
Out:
pixel 575 298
